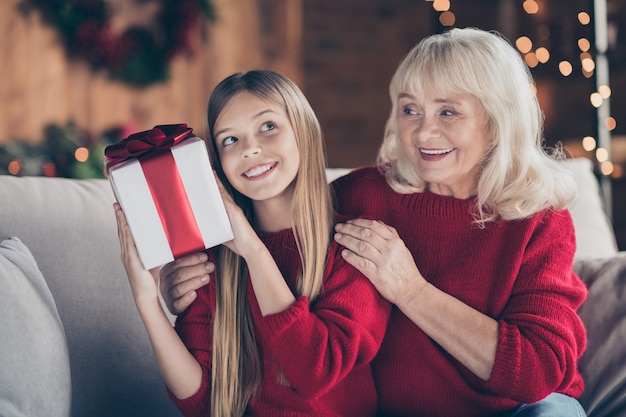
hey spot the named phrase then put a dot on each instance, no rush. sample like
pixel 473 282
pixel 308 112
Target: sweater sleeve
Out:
pixel 317 344
pixel 195 328
pixel 541 335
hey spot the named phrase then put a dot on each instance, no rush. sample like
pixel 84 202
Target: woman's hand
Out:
pixel 143 283
pixel 377 251
pixel 181 279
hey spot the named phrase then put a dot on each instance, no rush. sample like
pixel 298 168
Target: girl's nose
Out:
pixel 252 147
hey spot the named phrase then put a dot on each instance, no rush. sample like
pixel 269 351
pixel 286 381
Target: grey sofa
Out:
pixel 69 227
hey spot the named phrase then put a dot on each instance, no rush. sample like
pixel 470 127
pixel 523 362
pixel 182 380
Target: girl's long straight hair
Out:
pixel 236 369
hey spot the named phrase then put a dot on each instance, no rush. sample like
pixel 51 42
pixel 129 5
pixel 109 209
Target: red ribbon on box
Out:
pixel 159 138
pixel 152 150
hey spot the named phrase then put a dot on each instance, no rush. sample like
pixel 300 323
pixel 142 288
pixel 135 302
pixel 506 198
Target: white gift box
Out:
pixel 133 193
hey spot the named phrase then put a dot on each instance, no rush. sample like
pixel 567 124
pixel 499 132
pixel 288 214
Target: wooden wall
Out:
pixel 38 85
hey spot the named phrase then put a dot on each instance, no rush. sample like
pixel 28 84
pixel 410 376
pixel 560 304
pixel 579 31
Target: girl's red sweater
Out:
pixel 518 272
pixel 324 348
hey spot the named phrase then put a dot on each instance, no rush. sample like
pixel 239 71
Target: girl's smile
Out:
pixel 259 171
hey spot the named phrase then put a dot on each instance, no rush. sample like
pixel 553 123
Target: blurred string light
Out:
pixel 584 18
pixel 446 16
pixel 589 143
pixel 535 55
pixel 14 167
pixel 541 55
pixel 530 6
pixel 81 154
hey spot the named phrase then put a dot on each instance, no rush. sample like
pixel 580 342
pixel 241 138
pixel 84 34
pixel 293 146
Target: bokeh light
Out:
pixel 81 154
pixel 589 143
pixel 530 6
pixel 606 168
pixel 524 44
pixel 584 18
pixel 531 59
pixel 447 18
pixel 543 55
pixel 14 167
pixel 565 68
pixel 584 44
pixel 596 100
pixel 441 5
pixel 605 91
pixel 602 155
pixel 610 123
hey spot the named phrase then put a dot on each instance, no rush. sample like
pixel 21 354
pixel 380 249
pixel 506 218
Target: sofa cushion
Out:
pixel 35 377
pixel 69 226
pixel 594 233
pixel 603 364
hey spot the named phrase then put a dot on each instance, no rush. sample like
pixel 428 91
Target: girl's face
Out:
pixel 257 148
pixel 444 137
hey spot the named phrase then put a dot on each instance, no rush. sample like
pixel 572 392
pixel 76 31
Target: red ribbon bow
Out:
pixel 160 137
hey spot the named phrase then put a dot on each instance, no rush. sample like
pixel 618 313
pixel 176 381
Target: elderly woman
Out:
pixel 470 239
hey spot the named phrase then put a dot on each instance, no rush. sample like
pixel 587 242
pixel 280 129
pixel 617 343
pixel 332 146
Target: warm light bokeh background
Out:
pixel 341 53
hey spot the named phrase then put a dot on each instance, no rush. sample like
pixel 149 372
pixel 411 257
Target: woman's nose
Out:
pixel 427 128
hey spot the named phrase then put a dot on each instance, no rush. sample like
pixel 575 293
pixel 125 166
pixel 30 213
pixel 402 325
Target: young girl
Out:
pixel 285 327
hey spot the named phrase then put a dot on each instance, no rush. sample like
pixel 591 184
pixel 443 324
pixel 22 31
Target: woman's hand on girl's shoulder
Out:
pixel 181 279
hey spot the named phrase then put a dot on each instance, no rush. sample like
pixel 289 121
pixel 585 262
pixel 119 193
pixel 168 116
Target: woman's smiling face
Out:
pixel 444 137
pixel 257 148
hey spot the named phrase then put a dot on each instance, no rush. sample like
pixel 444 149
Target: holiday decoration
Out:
pixel 66 151
pixel 138 55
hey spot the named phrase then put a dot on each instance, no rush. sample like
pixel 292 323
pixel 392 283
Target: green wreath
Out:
pixel 139 56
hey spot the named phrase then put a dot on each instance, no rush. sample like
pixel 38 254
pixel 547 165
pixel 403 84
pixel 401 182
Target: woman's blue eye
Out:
pixel 448 112
pixel 229 140
pixel 268 126
pixel 409 112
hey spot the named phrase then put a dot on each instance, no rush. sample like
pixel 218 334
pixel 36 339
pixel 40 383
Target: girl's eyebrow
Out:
pixel 256 116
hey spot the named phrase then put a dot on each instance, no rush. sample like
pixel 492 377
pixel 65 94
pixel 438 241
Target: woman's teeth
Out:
pixel 436 151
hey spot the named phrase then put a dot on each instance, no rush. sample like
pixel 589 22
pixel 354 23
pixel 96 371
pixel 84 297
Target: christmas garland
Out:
pixel 138 56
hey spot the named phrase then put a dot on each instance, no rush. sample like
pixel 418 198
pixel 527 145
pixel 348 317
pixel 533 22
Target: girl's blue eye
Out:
pixel 229 140
pixel 268 126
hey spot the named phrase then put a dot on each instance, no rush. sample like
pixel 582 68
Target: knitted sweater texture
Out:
pixel 517 272
pixel 324 349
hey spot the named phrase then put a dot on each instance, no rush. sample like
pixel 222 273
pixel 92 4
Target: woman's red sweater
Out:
pixel 517 272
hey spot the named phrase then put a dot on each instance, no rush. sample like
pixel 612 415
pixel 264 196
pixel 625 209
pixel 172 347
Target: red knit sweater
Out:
pixel 324 349
pixel 518 272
